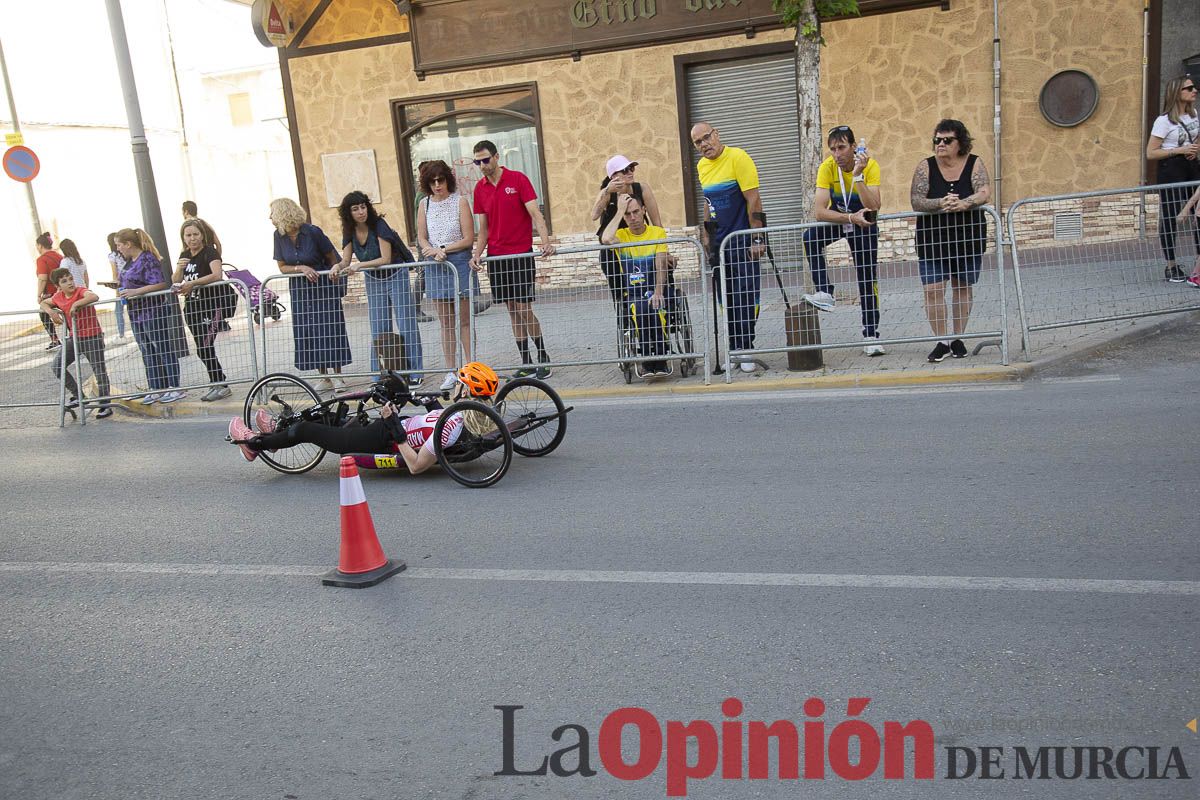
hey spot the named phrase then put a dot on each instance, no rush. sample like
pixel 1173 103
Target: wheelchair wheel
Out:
pixel 276 311
pixel 483 451
pixel 524 404
pixel 282 396
pixel 625 351
pixel 257 316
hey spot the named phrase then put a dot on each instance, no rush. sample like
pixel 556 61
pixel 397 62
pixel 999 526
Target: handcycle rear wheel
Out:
pixel 282 395
pixel 483 452
pixel 532 401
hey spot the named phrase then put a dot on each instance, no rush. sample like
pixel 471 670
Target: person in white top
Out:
pixel 74 262
pixel 446 233
pixel 1174 144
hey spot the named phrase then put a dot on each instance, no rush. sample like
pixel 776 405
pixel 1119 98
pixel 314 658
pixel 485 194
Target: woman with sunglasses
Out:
pixel 446 233
pixel 950 185
pixel 619 181
pixel 1174 143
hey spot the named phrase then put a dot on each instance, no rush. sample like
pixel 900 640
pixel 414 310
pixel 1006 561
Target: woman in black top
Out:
pixel 951 185
pixel 198 267
pixel 619 170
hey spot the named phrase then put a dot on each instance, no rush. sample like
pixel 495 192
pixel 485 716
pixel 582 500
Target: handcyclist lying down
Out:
pixel 411 438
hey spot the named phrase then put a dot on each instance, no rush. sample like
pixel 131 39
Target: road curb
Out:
pixel 1136 332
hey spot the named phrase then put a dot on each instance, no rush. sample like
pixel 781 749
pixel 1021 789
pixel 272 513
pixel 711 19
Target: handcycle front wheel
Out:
pixel 534 414
pixel 483 451
pixel 283 397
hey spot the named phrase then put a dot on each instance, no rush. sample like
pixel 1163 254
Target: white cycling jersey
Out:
pixel 419 429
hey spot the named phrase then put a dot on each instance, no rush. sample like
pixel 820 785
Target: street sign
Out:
pixel 21 164
pixel 13 139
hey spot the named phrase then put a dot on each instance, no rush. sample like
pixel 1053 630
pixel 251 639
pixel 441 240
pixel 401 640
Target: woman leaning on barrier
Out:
pixel 149 316
pixel 318 321
pixel 204 305
pixel 368 237
pixel 951 238
pixel 1174 144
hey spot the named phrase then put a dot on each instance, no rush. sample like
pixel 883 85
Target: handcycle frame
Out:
pixel 508 421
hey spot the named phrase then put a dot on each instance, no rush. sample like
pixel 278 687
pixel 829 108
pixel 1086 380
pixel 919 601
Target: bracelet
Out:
pixel 859 179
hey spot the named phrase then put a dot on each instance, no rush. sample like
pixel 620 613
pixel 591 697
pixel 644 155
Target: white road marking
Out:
pixel 1084 379
pixel 834 580
pixel 795 394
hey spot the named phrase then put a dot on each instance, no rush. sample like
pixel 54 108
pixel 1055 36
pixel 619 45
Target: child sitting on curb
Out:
pixel 87 335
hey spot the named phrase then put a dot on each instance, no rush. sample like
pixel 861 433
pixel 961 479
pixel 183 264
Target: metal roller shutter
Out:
pixel 753 104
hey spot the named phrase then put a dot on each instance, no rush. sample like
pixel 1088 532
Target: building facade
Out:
pixel 561 85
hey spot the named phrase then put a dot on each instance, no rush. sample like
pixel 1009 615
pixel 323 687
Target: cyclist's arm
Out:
pixel 417 461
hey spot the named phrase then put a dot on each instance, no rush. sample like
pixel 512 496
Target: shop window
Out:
pixel 447 127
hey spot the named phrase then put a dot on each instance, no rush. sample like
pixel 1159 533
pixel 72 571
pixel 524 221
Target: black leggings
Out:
pixel 373 438
pixel 203 317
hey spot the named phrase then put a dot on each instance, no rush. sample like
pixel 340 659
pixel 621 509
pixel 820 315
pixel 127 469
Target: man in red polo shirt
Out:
pixel 507 205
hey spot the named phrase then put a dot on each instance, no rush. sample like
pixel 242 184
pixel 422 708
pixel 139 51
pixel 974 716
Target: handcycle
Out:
pixel 526 416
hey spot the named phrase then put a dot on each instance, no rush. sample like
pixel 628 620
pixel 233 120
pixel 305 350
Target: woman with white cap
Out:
pixel 619 180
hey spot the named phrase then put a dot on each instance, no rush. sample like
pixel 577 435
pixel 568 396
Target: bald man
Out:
pixel 732 203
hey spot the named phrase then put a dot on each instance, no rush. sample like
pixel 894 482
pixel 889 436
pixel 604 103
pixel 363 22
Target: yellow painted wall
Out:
pixel 891 77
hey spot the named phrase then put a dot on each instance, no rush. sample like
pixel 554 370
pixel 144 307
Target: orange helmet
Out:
pixel 480 379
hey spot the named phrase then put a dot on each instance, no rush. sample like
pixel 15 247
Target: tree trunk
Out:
pixel 809 133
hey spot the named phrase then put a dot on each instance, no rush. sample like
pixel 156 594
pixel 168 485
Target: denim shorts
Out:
pixel 962 270
pixel 439 278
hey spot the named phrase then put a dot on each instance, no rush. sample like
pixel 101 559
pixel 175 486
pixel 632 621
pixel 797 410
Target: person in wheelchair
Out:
pixel 649 297
pixel 411 437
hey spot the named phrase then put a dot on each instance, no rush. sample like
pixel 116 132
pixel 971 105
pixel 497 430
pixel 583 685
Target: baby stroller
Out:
pixel 262 301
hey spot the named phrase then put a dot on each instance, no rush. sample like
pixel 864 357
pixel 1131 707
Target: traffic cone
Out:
pixel 361 562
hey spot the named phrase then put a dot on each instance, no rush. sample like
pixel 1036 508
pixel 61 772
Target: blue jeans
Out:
pixel 119 313
pixel 158 355
pixel 389 298
pixel 743 287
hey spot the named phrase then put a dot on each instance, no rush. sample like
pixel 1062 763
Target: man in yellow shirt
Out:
pixel 847 198
pixel 648 293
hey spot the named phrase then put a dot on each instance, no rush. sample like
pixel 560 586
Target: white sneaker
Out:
pixel 871 348
pixel 449 382
pixel 324 385
pixel 822 301
pixel 171 396
pixel 748 365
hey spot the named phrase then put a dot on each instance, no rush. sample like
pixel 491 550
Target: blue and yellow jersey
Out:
pixel 637 261
pixel 723 179
pixel 827 178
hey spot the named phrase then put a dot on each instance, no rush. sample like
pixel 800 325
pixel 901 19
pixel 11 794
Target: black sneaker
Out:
pixel 542 372
pixel 1174 274
pixel 958 349
pixel 939 352
pixel 54 344
pixel 104 412
pixel 524 372
pixel 657 368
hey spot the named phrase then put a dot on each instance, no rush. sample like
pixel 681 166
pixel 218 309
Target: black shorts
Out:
pixel 512 279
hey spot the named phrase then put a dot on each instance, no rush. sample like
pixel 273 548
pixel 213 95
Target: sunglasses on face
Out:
pixel 943 139
pixel 479 162
pixel 1191 88
pixel 703 139
pixel 438 179
pixel 626 171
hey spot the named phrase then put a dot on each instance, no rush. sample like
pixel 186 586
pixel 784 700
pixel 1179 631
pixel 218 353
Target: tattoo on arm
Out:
pixel 920 188
pixel 980 182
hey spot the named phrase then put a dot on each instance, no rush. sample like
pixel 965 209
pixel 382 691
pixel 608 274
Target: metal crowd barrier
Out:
pixel 25 361
pixel 582 317
pixel 328 338
pixel 177 349
pixel 1100 256
pixel 901 311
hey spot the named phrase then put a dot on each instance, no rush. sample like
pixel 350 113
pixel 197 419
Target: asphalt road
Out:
pixel 163 633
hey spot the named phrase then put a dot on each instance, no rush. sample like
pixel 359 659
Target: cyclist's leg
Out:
pixel 372 438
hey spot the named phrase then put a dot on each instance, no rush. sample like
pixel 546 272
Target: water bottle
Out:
pixel 862 148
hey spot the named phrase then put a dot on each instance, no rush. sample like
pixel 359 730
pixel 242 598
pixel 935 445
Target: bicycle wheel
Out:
pixel 283 397
pixel 483 451
pixel 534 415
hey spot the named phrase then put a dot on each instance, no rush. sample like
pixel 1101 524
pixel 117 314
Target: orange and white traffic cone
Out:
pixel 361 562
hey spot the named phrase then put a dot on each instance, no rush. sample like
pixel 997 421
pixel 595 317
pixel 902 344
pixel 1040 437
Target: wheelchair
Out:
pixel 678 335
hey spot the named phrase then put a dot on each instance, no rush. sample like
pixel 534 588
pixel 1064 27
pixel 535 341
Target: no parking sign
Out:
pixel 21 164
